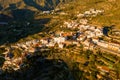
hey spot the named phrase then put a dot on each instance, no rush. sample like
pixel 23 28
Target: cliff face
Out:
pixel 31 4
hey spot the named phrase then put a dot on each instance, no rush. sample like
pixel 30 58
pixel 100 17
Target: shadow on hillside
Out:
pixel 48 4
pixel 5 18
pixel 11 7
pixel 39 68
pixel 34 4
pixel 20 25
pixel 1 7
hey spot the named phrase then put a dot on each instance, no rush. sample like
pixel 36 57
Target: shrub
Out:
pixel 16 52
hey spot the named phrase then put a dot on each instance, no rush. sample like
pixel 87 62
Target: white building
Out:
pixel 86 43
pixel 60 45
pixel 44 41
pixel 83 21
pixel 95 40
pixel 51 44
pixel 80 15
pixel 81 38
pixel 98 32
pixel 86 27
pixel 90 34
pixel 87 13
pixel 46 12
pixel 59 39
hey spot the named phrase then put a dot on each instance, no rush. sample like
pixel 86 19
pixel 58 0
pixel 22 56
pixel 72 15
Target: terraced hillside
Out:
pixel 33 44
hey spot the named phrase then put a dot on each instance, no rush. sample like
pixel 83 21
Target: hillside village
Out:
pixel 86 34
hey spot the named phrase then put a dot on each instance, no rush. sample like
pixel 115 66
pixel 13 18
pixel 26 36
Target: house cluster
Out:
pixel 89 34
pixel 86 34
pixel 12 63
pixel 29 47
pixel 61 39
pixel 74 24
pixel 70 24
pixel 84 28
pixel 90 13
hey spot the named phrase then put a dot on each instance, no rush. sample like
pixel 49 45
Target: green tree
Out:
pixel 2 50
pixel 1 61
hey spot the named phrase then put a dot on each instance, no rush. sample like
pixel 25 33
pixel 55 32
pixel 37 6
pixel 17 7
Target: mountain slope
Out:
pixel 30 4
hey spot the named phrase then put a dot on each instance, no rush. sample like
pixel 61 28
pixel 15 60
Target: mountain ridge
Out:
pixel 30 4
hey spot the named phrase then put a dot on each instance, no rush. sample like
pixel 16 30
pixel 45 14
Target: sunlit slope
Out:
pixel 110 17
